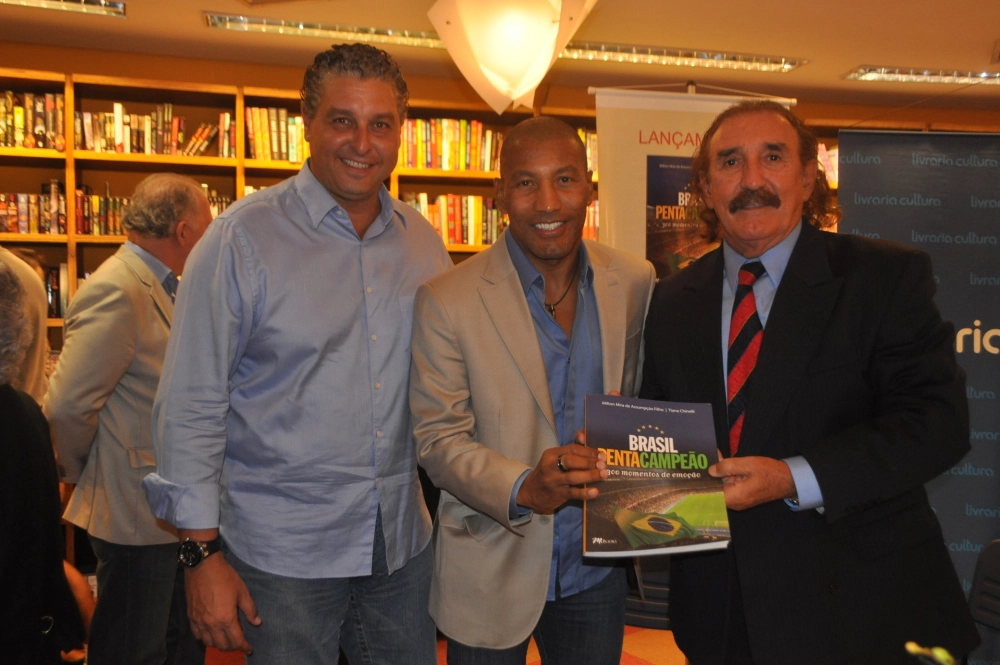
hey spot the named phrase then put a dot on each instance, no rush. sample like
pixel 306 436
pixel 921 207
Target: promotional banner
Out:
pixel 646 140
pixel 940 193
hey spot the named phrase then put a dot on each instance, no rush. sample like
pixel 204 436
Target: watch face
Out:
pixel 190 553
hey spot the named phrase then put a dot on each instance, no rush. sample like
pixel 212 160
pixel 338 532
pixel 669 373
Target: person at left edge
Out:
pixel 505 347
pixel 281 423
pixel 99 406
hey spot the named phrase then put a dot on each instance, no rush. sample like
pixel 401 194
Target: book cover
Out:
pixel 42 118
pixel 18 126
pixel 59 141
pixel 658 497
pixel 119 114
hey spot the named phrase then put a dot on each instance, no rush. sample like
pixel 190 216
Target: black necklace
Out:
pixel 552 307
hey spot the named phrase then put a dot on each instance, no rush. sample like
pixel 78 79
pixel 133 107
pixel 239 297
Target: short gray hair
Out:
pixel 15 335
pixel 159 202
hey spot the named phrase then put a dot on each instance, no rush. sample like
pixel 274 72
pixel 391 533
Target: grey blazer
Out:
pixel 100 400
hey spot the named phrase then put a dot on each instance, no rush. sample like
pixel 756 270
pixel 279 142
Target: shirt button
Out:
pixel 368 289
pixel 377 385
pixel 378 433
pixel 373 337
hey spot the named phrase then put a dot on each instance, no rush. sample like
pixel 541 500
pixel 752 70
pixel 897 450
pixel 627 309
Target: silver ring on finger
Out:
pixel 560 464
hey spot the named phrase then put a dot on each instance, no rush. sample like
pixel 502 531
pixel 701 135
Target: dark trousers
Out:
pixel 583 629
pixel 141 614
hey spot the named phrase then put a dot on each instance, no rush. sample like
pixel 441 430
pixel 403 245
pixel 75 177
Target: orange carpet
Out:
pixel 642 647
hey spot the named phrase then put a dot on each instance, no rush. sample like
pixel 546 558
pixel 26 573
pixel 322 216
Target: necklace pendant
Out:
pixel 551 308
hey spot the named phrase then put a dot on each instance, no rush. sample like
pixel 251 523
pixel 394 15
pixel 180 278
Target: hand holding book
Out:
pixel 751 481
pixel 558 476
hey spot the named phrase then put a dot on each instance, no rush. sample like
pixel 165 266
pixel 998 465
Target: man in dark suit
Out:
pixel 836 396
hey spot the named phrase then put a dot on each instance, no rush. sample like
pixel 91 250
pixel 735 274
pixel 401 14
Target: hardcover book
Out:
pixel 658 497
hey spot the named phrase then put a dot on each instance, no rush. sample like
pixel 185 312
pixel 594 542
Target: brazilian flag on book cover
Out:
pixel 652 529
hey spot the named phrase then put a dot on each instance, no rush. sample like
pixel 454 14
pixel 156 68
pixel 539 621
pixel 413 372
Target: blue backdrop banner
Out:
pixel 940 193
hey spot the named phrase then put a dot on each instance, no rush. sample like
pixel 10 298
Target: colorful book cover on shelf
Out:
pixel 41 123
pixel 658 497
pixel 4 220
pixel 19 125
pixel 59 138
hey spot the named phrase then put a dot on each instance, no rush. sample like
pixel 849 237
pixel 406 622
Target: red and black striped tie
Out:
pixel 745 335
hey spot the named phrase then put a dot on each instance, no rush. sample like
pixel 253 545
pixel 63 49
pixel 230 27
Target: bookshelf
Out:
pixel 28 170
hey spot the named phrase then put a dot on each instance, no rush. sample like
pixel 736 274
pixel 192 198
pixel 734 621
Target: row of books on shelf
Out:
pixel 589 139
pixel 449 144
pixel 461 220
pixel 160 133
pixel 57 290
pixel 274 135
pixel 29 120
pixel 34 213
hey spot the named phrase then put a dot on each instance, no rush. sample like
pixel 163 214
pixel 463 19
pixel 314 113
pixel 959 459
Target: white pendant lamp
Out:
pixel 504 48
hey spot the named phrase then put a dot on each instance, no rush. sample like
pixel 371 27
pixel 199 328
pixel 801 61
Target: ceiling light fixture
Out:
pixel 505 49
pixel 903 75
pixel 655 55
pixel 467 28
pixel 100 7
pixel 347 33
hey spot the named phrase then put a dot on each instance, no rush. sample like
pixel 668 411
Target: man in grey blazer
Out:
pixel 99 406
pixel 504 348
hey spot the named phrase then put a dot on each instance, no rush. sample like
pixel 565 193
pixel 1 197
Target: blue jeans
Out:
pixel 583 629
pixel 379 619
pixel 141 614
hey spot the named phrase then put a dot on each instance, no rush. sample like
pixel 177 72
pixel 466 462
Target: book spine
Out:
pixel 283 134
pixel 251 146
pixel 148 135
pixel 210 133
pixel 272 125
pixel 59 140
pixel 119 140
pixel 175 127
pixel 19 120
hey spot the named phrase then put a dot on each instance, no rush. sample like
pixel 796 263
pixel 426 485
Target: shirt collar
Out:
pixel 319 202
pixel 775 260
pixel 160 270
pixel 528 274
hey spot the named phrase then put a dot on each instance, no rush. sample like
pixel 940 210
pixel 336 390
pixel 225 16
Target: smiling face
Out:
pixel 354 140
pixel 756 182
pixel 545 188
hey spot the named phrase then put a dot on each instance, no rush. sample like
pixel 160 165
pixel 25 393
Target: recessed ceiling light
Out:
pixel 655 55
pixel 904 75
pixel 591 51
pixel 100 7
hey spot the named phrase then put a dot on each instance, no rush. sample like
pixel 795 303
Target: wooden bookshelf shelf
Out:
pixel 271 165
pixel 140 158
pixel 32 153
pixel 99 240
pixel 443 174
pixel 52 238
pixel 466 249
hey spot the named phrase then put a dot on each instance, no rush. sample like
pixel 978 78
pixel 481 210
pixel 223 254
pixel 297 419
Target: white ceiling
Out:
pixel 834 37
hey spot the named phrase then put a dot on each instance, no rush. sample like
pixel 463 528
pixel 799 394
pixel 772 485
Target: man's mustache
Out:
pixel 748 197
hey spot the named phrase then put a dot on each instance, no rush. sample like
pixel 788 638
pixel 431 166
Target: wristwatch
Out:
pixel 192 552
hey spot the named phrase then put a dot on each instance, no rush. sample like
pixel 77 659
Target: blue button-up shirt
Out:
pixel 282 414
pixel 574 367
pixel 775 261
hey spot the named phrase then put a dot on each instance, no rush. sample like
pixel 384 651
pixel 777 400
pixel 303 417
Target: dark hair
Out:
pixel 159 203
pixel 821 210
pixel 541 128
pixel 360 61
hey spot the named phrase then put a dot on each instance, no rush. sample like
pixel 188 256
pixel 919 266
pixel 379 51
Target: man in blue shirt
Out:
pixel 836 396
pixel 505 347
pixel 281 425
pixel 100 404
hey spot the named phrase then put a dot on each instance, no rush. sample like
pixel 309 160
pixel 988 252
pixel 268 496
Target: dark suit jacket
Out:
pixel 857 374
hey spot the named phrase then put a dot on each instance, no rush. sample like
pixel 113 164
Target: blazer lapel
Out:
pixel 802 306
pixel 146 276
pixel 504 300
pixel 610 297
pixel 701 347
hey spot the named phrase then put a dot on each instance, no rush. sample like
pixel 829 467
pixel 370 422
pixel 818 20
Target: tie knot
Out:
pixel 750 272
pixel 170 284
